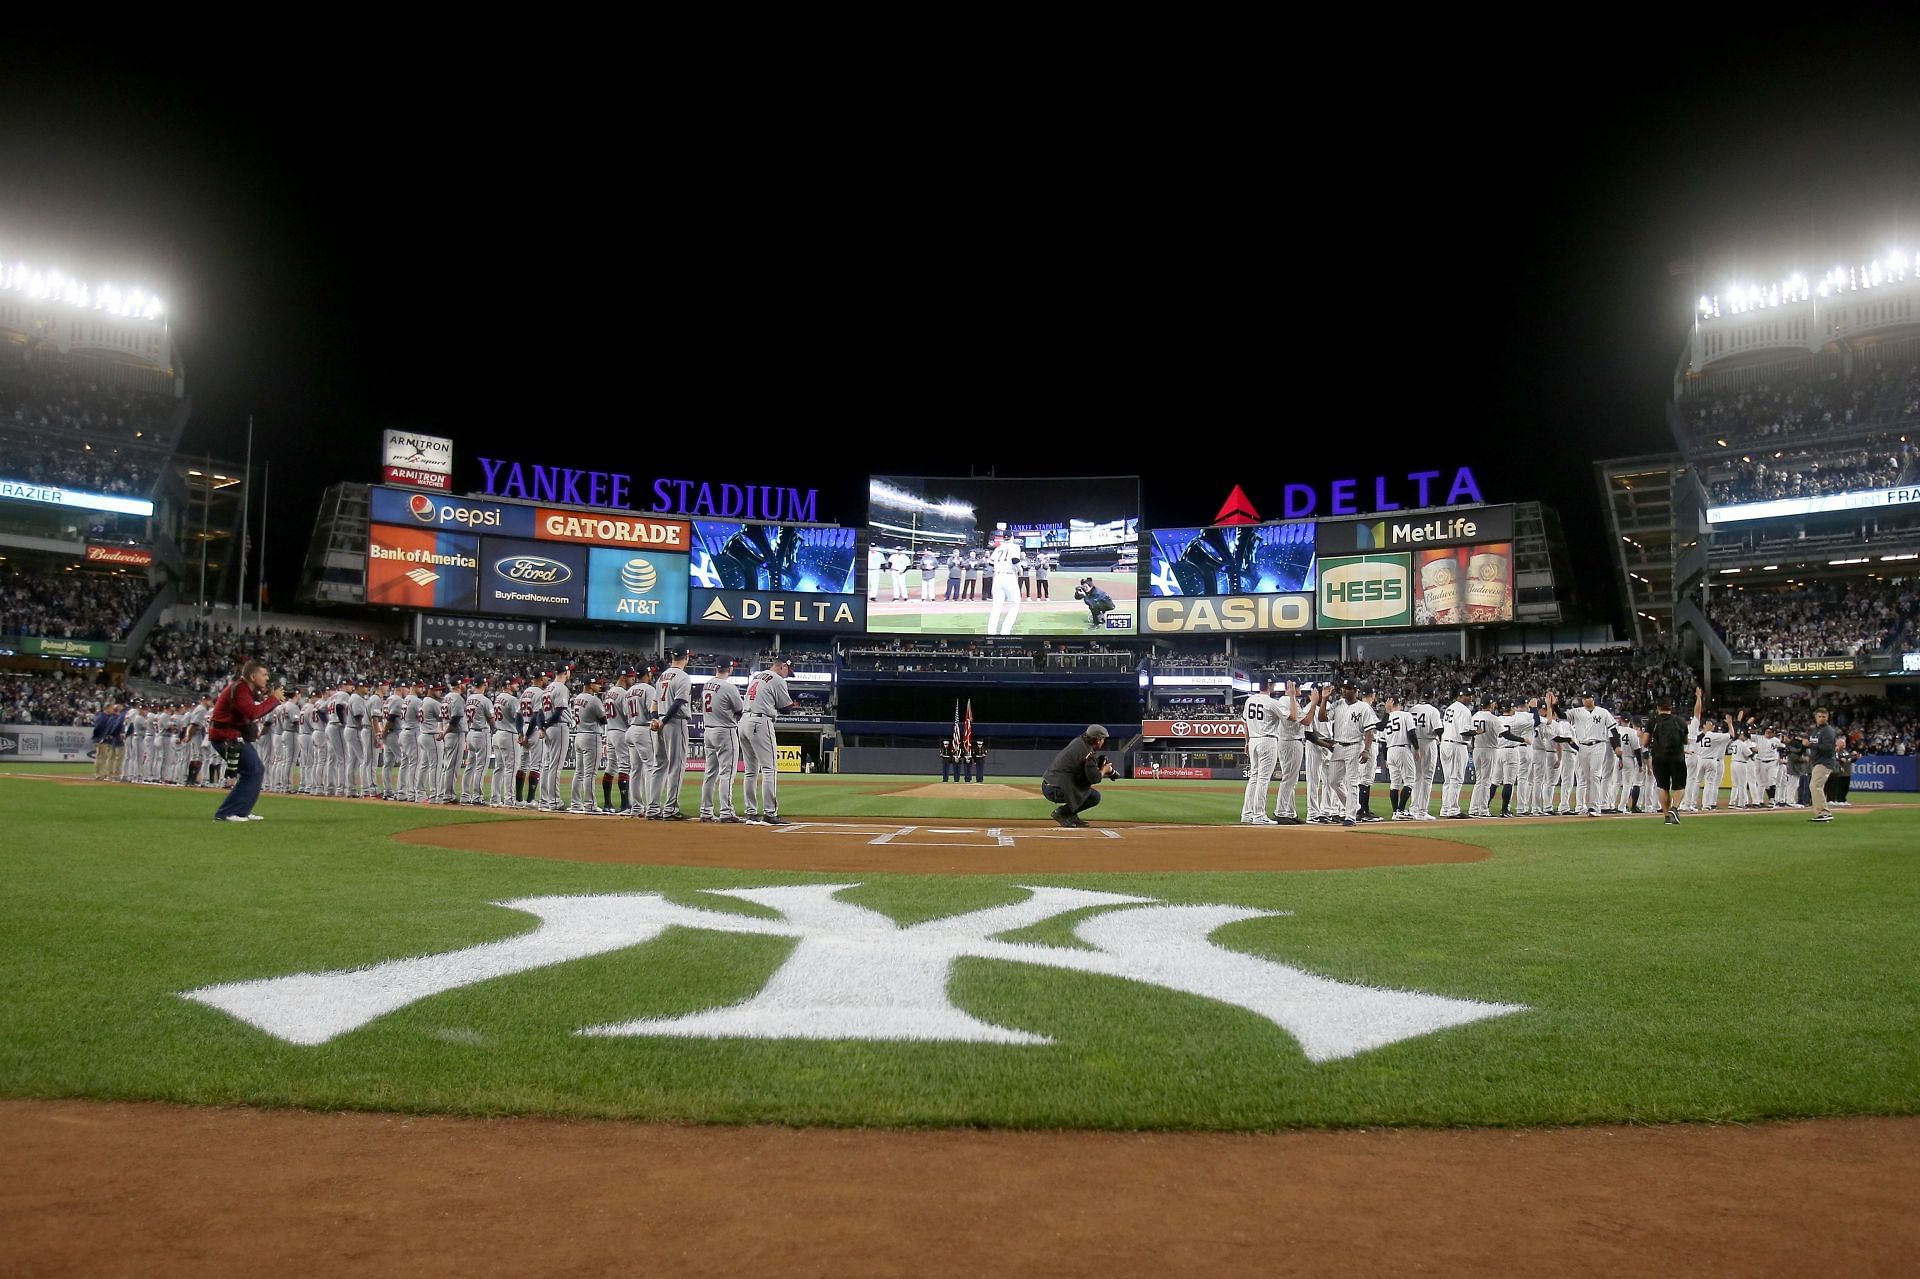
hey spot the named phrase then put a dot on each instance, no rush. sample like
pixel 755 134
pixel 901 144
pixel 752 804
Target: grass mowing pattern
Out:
pixel 1738 968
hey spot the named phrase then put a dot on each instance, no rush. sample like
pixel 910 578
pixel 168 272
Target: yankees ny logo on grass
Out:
pixel 856 974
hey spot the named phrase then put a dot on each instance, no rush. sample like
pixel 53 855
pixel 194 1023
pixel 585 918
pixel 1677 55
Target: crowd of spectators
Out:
pixel 71 605
pixel 97 468
pixel 51 396
pixel 1818 620
pixel 1811 473
pixel 63 701
pixel 1800 400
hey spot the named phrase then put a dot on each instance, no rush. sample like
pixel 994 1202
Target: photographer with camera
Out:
pixel 231 727
pixel 1098 602
pixel 1069 781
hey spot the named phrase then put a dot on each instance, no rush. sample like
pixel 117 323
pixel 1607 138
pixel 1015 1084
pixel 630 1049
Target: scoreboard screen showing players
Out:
pixel 773 557
pixel 1245 559
pixel 1002 556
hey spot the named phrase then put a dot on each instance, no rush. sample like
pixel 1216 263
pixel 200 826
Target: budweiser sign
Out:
pixel 132 556
pixel 1194 728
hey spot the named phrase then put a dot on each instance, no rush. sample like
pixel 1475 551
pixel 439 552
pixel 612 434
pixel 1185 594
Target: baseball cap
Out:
pixel 1364 686
pixel 1096 730
pixel 676 654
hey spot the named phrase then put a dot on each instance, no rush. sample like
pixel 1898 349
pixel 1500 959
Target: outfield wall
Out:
pixel 911 760
pixel 44 744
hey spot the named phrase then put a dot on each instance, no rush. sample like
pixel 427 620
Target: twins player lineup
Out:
pixel 510 746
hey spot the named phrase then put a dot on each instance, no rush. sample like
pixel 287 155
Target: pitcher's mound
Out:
pixel 967 790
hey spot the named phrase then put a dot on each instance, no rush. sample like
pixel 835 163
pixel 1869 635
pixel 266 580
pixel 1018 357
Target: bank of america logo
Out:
pixel 423 577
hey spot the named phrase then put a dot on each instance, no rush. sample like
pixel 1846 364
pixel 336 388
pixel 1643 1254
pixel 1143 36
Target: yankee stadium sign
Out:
pixel 855 974
pixel 573 486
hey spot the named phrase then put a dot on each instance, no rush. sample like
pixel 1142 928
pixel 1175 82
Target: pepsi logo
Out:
pixel 533 568
pixel 638 576
pixel 420 506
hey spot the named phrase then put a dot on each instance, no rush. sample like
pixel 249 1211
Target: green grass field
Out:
pixel 1739 968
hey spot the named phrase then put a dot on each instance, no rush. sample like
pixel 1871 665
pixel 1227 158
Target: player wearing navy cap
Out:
pixel 669 725
pixel 556 706
pixel 720 707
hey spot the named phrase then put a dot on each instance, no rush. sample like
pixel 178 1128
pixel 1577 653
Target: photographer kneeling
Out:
pixel 1070 779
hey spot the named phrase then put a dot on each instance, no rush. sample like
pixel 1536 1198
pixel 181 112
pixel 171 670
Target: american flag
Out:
pixel 967 739
pixel 956 721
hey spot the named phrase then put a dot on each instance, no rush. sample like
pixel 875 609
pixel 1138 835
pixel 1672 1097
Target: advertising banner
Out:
pixel 625 586
pixel 1886 772
pixel 35 646
pixel 1460 585
pixel 1811 666
pixel 766 611
pixel 130 556
pixel 437 631
pixel 1194 729
pixel 1365 590
pixel 1218 614
pixel 635 531
pixel 773 557
pixel 424 461
pixel 458 514
pixel 42 744
pixel 786 759
pixel 1414 530
pixel 421 567
pixel 1865 500
pixel 533 579
pixel 1152 772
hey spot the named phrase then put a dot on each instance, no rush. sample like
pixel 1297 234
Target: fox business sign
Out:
pixel 1228 614
pixel 1365 590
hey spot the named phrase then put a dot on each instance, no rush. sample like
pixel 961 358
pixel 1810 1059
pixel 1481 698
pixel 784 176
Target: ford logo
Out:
pixel 533 568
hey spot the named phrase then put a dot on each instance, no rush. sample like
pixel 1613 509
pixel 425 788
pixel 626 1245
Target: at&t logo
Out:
pixel 638 577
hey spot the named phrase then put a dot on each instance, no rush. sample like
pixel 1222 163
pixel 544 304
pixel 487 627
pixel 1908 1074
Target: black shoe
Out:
pixel 674 817
pixel 1074 822
pixel 729 821
pixel 771 820
pixel 1061 816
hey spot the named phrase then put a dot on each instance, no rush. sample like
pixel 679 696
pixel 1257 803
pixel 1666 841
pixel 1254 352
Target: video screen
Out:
pixel 1003 557
pixel 1246 559
pixel 773 557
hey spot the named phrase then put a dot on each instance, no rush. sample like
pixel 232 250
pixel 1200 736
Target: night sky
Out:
pixel 809 278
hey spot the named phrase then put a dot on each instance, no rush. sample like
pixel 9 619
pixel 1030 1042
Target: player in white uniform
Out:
pixel 1486 746
pixel 1510 761
pixel 1766 768
pixel 897 564
pixel 1594 734
pixel 1741 753
pixel 1261 716
pixel 1402 732
pixel 929 565
pixel 1329 708
pixel 1290 741
pixel 1006 592
pixel 1710 748
pixel 1456 737
pixel 1365 729
pixel 1426 758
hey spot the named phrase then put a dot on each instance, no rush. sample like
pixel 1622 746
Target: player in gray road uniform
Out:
pixel 669 724
pixel 619 755
pixel 720 707
pixel 639 710
pixel 334 782
pixel 767 697
pixel 479 720
pixel 433 730
pixel 357 752
pixel 589 722
pixel 453 742
pixel 410 742
pixel 506 743
pixel 390 741
pixel 313 745
pixel 528 739
pixel 555 709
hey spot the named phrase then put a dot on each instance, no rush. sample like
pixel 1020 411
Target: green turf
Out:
pixel 1737 968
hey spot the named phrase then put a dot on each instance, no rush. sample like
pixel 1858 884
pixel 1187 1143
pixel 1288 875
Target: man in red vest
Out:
pixel 234 724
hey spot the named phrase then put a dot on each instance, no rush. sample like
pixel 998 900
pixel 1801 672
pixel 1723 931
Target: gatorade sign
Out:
pixel 1365 590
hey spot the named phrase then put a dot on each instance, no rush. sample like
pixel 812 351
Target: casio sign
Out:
pixel 533 568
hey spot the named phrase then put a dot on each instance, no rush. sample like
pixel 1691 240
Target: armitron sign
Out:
pixel 422 461
pixel 1194 729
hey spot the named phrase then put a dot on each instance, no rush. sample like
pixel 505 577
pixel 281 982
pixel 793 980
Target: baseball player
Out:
pixel 433 736
pixel 956 570
pixel 1456 735
pixel 479 720
pixel 196 738
pixel 1006 591
pixel 1426 758
pixel 334 781
pixel 392 714
pixel 639 713
pixel 767 697
pixel 1766 769
pixel 355 732
pixel 1510 759
pixel 589 710
pixel 1318 750
pixel 1595 735
pixel 929 563
pixel 1542 762
pixel 1289 740
pixel 450 743
pixel 1261 716
pixel 504 715
pixel 313 743
pixel 673 713
pixel 1363 725
pixel 1710 750
pixel 619 755
pixel 556 704
pixel 1486 745
pixel 897 566
pixel 720 708
pixel 411 751
pixel 1402 733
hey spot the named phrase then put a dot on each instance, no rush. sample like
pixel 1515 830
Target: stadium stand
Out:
pixel 50 395
pixel 71 605
pixel 55 700
pixel 1823 619
pixel 1803 399
pixel 1884 462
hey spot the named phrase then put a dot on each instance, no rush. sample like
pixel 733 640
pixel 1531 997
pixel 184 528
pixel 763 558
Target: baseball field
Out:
pixel 917 956
pixel 1059 614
